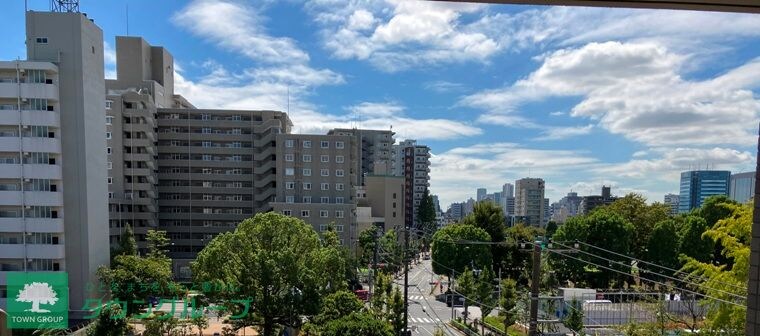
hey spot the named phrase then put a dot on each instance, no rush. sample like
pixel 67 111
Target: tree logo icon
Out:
pixel 37 293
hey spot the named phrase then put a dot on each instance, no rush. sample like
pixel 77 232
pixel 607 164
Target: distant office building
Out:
pixel 468 207
pixel 547 212
pixel 455 211
pixel 507 201
pixel 589 203
pixel 481 194
pixel 742 187
pixel 672 200
pixel 530 201
pixel 698 185
pixel 566 207
pixel 509 206
pixel 508 190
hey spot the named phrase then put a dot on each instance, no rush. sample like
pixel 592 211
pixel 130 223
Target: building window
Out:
pixel 109 165
pixel 339 173
pixel 110 180
pixel 322 227
pixel 289 143
pixel 325 186
pixel 289 171
pixel 109 120
pixel 206 130
pixel 110 194
pixel 205 117
pixel 339 214
pixel 339 186
pixel 307 144
pixel 324 200
pixel 324 172
pixel 307 172
pixel 394 195
pixel 339 145
pixel 290 199
pixel 307 199
pixel 290 185
pixel 206 144
pixel 339 200
pixel 289 157
pixel 394 214
pixel 339 228
pixel 287 212
pixel 108 104
pixel 324 144
pixel 394 205
pixel 325 158
pixel 206 157
pixel 42 40
pixel 304 213
pixel 307 158
pixel 307 186
pixel 324 213
pixel 108 135
pixel 339 159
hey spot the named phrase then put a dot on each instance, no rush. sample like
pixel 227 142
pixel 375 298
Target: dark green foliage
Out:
pixel 338 305
pixel 508 302
pixel 110 322
pixel 634 209
pixel 359 324
pixel 488 216
pixel 662 248
pixel 449 253
pixel 693 243
pixel 426 215
pixel 574 319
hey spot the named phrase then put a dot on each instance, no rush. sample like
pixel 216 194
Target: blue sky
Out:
pixel 579 96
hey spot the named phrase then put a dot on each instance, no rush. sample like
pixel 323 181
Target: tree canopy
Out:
pixel 489 216
pixel 451 251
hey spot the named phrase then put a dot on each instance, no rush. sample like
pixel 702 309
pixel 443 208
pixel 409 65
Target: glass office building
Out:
pixel 742 187
pixel 698 185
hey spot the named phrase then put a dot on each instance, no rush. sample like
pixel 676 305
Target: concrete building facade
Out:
pixel 53 205
pixel 672 200
pixel 419 161
pixel 529 200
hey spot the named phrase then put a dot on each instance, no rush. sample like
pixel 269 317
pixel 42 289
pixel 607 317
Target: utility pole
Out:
pixel 406 280
pixel 534 289
pixel 373 271
pixel 451 293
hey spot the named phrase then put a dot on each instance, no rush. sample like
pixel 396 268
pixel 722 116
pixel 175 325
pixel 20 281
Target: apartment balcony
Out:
pixel 39 118
pixel 43 225
pixel 16 144
pixel 32 251
pixel 144 157
pixel 137 171
pixel 29 90
pixel 141 142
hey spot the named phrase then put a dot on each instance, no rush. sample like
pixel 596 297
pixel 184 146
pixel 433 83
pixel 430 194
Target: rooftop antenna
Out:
pixel 67 6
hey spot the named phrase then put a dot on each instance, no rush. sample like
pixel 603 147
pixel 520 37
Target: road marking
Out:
pixel 416 297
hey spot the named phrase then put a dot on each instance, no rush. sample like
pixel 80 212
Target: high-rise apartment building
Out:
pixel 672 201
pixel 455 211
pixel 566 207
pixel 373 150
pixel 53 207
pixel 547 212
pixel 192 172
pixel 417 158
pixel 742 187
pixel 529 200
pixel 698 185
pixel 317 181
pixel 591 202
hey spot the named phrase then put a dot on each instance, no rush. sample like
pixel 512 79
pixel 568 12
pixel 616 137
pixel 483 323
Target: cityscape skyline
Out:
pixel 326 82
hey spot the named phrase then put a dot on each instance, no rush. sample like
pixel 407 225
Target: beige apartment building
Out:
pixel 316 181
pixel 373 150
pixel 53 208
pixel 192 172
pixel 529 201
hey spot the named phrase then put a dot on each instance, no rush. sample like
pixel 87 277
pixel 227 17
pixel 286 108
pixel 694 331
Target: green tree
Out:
pixel 508 302
pixel 358 323
pixel 391 251
pixel 693 244
pixel 395 311
pixel 338 305
pixel 276 259
pixel 733 233
pixel 127 242
pixel 610 231
pixel 484 294
pixel 489 216
pixel 551 228
pixel 426 215
pixel 367 243
pixel 516 260
pixel 110 322
pixel 662 248
pixel 574 319
pixel 201 322
pixel 635 210
pixel 332 262
pixel 467 286
pixel 133 279
pixel 575 228
pixel 715 208
pixel 451 250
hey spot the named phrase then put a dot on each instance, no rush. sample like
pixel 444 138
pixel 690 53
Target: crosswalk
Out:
pixel 424 320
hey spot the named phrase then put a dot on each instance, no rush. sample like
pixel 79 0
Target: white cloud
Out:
pixel 558 133
pixel 109 60
pixel 395 35
pixel 238 28
pixel 635 89
pixel 442 86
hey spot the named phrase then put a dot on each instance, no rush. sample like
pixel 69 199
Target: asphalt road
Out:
pixel 425 313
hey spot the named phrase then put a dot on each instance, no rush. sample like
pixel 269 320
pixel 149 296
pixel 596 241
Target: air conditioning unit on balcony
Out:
pixel 24 100
pixel 26 126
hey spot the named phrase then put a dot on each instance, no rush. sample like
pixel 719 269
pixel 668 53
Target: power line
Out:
pixel 646 279
pixel 660 266
pixel 655 273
